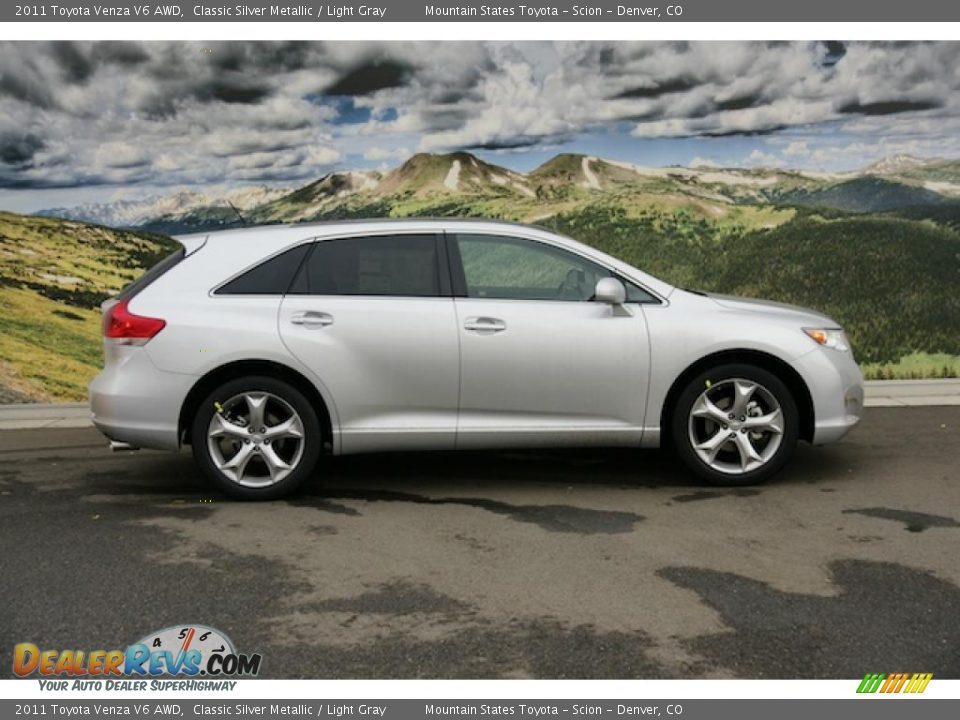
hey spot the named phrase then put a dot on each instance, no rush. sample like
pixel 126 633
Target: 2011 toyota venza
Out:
pixel 266 348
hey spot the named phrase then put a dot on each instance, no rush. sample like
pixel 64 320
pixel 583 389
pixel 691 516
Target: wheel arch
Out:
pixel 241 368
pixel 794 382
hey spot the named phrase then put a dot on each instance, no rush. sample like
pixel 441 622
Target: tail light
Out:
pixel 125 328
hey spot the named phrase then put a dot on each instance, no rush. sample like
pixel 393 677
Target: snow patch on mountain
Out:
pixel 591 181
pixel 452 180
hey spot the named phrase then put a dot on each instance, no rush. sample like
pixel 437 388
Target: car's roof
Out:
pixel 325 227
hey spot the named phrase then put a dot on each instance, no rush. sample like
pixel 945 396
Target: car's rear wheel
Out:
pixel 735 424
pixel 256 438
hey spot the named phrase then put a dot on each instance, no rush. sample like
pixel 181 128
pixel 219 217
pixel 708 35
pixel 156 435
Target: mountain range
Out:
pixel 180 204
pixel 430 182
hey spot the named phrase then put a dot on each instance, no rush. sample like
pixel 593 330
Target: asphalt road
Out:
pixel 560 564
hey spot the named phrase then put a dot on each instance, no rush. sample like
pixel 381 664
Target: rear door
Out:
pixel 373 318
pixel 541 363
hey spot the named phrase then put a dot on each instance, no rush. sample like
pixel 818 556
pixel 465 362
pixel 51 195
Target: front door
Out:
pixel 541 362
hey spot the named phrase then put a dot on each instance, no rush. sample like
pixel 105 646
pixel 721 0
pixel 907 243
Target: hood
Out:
pixel 769 307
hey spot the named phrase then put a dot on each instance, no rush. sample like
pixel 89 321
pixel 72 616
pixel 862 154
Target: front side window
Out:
pixel 518 269
pixel 404 265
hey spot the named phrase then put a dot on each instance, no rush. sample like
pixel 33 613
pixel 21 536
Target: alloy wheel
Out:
pixel 736 426
pixel 256 439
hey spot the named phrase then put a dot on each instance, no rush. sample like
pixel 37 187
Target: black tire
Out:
pixel 312 437
pixel 680 429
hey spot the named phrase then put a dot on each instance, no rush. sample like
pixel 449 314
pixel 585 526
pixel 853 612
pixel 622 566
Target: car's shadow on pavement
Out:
pixel 441 473
pixel 479 472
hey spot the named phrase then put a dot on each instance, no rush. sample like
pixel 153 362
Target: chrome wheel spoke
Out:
pixel 704 407
pixel 256 405
pixel 221 427
pixel 742 392
pixel 289 428
pixel 276 466
pixel 771 422
pixel 749 457
pixel 712 446
pixel 237 465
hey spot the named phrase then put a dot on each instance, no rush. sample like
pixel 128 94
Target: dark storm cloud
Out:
pixel 438 119
pixel 666 87
pixel 19 150
pixel 127 54
pixel 888 107
pixel 232 91
pixel 369 77
pixel 22 87
pixel 771 130
pixel 264 57
pixel 833 52
pixel 511 143
pixel 742 102
pixel 75 65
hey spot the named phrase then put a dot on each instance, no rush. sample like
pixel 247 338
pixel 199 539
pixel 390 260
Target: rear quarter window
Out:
pixel 271 277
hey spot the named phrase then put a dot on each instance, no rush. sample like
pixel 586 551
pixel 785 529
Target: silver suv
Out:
pixel 265 348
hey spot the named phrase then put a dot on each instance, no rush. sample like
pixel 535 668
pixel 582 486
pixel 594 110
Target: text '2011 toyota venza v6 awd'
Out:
pixel 265 348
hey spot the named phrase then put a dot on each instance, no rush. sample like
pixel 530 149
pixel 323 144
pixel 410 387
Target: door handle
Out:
pixel 485 324
pixel 312 319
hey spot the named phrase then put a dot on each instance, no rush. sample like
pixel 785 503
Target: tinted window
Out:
pixel 376 265
pixel 272 277
pixel 637 294
pixel 519 269
pixel 152 274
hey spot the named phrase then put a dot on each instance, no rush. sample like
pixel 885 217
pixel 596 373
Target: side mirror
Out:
pixel 611 291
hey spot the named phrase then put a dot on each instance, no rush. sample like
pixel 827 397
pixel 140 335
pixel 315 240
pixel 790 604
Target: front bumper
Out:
pixel 836 388
pixel 134 402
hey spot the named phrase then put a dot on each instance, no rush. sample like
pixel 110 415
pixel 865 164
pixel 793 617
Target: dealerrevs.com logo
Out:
pixel 182 650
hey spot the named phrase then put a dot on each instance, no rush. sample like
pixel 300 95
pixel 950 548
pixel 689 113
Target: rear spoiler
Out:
pixel 191 243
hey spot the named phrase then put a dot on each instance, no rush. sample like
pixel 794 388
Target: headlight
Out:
pixel 829 337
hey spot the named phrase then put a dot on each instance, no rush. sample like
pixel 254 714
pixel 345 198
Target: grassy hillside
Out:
pixel 865 194
pixel 53 276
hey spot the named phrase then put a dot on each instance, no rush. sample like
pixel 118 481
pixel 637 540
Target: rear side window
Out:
pixel 152 274
pixel 403 265
pixel 271 277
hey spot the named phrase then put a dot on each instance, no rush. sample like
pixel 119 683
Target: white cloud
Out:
pixel 758 158
pixel 797 148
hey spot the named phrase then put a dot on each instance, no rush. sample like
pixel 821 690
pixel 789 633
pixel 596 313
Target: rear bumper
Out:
pixel 133 402
pixel 836 388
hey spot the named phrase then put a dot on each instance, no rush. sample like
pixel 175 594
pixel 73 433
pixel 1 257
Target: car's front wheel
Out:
pixel 256 438
pixel 735 424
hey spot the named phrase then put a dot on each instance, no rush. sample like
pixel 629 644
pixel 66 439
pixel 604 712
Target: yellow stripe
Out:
pixel 926 681
pixel 912 685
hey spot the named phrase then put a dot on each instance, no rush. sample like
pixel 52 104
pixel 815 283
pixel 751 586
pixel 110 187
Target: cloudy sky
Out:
pixel 84 122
